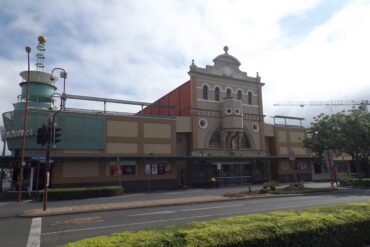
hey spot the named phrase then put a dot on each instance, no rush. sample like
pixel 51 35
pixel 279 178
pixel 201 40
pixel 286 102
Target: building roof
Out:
pixel 287 117
pixel 226 58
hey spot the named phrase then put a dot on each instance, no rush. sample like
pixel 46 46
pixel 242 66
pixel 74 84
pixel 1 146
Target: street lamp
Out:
pixel 62 74
pixel 28 50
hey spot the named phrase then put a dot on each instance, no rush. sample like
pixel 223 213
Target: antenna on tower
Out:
pixel 41 53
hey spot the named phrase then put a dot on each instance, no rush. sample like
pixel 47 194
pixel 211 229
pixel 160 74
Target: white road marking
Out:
pixel 153 213
pixel 184 218
pixel 2 204
pixel 130 224
pixel 128 196
pixel 34 237
pixel 198 209
pixel 184 210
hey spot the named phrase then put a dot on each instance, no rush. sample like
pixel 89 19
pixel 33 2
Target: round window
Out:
pixel 237 111
pixel 228 111
pixel 203 123
pixel 255 127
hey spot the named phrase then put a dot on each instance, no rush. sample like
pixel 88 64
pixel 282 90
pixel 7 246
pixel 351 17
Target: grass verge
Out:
pixel 355 182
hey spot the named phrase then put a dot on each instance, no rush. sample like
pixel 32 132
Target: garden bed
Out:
pixel 335 226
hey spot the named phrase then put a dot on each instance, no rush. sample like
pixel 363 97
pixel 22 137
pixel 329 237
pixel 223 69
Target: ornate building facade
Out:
pixel 210 127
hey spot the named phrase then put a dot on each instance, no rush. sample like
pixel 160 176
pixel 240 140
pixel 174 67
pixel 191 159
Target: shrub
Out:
pixel 272 185
pixel 356 182
pixel 81 193
pixel 335 226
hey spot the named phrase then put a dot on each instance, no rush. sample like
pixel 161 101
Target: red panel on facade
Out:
pixel 179 97
pixel 184 99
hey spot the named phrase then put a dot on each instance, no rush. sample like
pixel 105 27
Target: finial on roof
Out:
pixel 226 49
pixel 41 53
pixel 192 65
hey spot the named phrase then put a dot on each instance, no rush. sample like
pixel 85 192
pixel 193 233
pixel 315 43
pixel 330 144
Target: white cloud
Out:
pixel 140 50
pixel 331 63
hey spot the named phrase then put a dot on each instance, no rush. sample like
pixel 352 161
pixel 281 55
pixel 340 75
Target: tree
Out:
pixel 347 132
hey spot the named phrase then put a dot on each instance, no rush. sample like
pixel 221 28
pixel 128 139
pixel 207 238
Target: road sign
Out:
pixel 291 155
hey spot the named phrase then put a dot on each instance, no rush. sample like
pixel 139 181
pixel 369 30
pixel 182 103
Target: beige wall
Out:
pixel 269 130
pixel 157 148
pixel 122 128
pixel 156 130
pixel 295 136
pixel 183 124
pixel 123 148
pixel 132 135
pixel 290 139
pixel 282 136
pixel 97 172
pixel 283 150
pixel 82 170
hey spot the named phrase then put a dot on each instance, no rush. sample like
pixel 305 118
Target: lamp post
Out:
pixel 62 74
pixel 20 175
pixel 51 129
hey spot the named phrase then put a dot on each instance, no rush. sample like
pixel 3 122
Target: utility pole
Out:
pixel 28 50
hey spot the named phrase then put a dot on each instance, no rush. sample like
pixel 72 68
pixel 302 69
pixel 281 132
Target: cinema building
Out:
pixel 212 126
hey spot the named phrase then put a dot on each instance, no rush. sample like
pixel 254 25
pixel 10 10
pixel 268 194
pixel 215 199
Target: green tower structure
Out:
pixel 41 89
pixel 41 85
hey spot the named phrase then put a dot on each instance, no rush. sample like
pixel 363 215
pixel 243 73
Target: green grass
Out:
pixel 346 225
pixel 355 182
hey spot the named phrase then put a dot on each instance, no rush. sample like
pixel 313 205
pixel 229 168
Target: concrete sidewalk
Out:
pixel 140 204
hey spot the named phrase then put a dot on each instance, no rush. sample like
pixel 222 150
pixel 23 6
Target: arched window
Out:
pixel 245 143
pixel 215 141
pixel 217 93
pixel 239 94
pixel 249 98
pixel 205 92
pixel 228 93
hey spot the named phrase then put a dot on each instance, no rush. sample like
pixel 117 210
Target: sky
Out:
pixel 140 50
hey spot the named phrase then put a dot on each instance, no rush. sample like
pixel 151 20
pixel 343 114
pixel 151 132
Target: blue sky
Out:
pixel 298 25
pixel 140 50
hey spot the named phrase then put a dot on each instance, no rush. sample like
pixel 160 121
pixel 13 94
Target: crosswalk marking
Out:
pixel 34 237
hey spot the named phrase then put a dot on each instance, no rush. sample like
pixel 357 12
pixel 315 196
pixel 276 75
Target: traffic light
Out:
pixel 42 135
pixel 56 135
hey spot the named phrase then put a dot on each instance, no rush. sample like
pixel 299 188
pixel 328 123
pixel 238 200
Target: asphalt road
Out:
pixel 56 230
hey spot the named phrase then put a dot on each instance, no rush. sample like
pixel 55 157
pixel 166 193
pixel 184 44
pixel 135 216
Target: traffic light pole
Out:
pixel 47 164
pixel 51 138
